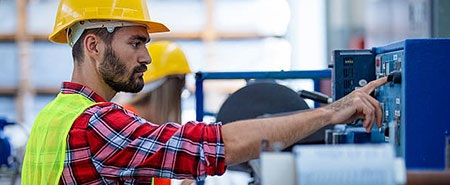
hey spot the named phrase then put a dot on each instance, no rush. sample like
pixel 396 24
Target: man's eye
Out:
pixel 135 44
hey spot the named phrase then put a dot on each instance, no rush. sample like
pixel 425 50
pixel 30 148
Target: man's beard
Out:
pixel 113 70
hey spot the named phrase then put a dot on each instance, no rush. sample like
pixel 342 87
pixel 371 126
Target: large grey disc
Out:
pixel 263 99
pixel 258 99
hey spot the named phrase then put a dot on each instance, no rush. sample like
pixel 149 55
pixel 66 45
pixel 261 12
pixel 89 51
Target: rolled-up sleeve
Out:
pixel 125 146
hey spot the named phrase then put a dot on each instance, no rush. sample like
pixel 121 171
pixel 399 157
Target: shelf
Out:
pixel 12 91
pixel 171 36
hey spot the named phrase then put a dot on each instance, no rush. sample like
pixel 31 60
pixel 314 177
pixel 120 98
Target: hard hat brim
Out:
pixel 59 36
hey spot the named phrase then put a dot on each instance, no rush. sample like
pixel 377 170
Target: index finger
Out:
pixel 374 84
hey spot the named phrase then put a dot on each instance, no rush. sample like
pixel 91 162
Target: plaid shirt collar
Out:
pixel 74 88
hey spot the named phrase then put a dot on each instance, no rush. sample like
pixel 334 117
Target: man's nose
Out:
pixel 146 58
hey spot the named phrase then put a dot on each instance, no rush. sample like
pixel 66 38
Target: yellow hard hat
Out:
pixel 167 59
pixel 73 11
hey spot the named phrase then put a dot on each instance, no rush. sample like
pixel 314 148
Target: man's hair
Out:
pixel 77 49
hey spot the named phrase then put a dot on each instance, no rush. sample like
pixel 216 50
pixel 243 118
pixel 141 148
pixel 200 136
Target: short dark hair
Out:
pixel 77 49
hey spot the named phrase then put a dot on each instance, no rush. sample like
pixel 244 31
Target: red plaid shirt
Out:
pixel 108 144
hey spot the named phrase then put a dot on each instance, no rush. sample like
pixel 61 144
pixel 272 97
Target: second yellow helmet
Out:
pixel 167 59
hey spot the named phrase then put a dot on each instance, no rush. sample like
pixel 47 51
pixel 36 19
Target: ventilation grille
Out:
pixel 348 75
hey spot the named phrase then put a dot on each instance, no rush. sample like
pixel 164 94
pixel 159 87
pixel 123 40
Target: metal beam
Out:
pixel 313 74
pixel 24 91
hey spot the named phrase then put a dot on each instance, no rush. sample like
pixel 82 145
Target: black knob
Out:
pixel 316 96
pixel 395 77
pixel 386 132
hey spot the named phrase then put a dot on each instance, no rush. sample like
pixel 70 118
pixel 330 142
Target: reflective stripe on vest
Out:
pixel 46 148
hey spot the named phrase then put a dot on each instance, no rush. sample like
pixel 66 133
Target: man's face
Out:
pixel 125 60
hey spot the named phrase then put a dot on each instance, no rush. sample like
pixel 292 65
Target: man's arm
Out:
pixel 124 146
pixel 242 138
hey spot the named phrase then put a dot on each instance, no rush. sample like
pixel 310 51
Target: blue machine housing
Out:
pixel 415 109
pixel 423 123
pixel 350 68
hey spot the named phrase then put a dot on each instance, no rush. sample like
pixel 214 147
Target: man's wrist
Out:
pixel 325 115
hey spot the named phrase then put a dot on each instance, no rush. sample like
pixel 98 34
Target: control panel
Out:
pixel 389 95
pixel 415 102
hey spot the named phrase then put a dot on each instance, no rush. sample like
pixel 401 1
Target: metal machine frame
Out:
pixel 315 75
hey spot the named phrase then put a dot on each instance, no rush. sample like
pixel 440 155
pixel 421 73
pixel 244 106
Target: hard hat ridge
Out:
pixel 75 31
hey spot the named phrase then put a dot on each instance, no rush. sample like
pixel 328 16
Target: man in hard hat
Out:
pixel 82 138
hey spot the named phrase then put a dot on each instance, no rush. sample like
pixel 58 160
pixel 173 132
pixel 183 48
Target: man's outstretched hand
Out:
pixel 358 104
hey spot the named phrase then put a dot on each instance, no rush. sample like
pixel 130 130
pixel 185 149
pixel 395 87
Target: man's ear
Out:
pixel 92 46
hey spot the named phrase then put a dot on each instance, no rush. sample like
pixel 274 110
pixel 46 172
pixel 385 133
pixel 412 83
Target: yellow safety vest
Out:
pixel 46 149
